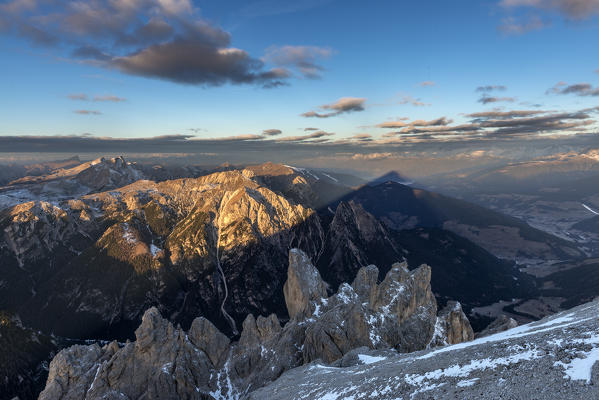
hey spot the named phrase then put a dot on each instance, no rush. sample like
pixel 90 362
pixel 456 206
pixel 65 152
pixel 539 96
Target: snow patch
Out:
pixel 366 359
pixel 467 382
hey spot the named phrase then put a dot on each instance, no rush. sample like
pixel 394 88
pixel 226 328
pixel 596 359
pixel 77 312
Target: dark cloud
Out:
pixel 304 138
pixel 442 121
pixel 504 114
pixel 310 129
pixel 491 99
pixel 579 89
pixel 303 58
pixel 235 138
pixel 37 36
pixel 571 9
pixel 194 62
pixel 155 30
pixel 87 112
pixel 341 106
pixel 483 125
pixel 271 132
pixel 159 39
pixel 362 137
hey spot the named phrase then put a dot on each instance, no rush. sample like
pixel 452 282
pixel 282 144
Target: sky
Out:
pixel 304 76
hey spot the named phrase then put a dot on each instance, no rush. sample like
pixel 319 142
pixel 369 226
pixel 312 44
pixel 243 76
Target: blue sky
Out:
pixel 379 53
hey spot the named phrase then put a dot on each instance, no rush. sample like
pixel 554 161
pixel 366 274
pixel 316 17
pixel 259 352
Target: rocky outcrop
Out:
pixel 500 324
pixel 304 288
pixel 452 326
pixel 398 313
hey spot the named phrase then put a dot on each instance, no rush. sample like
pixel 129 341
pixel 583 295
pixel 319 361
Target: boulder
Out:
pixel 500 324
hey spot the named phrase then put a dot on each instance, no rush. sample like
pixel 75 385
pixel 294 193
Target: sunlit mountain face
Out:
pixel 216 200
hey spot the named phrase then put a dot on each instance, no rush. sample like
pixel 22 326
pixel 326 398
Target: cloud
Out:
pixel 490 88
pixel 371 156
pixel 89 52
pixel 157 39
pixel 442 121
pixel 505 114
pixel 176 6
pixel 87 112
pixel 511 26
pixel 85 97
pixel 427 83
pixel 489 99
pixel 37 36
pixel 156 29
pixel 571 9
pixel 197 63
pixel 18 6
pixel 341 106
pixel 271 132
pixel 78 96
pixel 362 137
pixel 234 138
pixel 303 138
pixel 111 98
pixel 579 89
pixel 483 125
pixel 303 58
pixel 413 101
pixel 310 129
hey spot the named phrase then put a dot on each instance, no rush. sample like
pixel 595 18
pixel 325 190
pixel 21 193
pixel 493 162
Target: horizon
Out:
pixel 268 80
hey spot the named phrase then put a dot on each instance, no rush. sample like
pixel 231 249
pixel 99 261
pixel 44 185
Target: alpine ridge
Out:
pixel 397 314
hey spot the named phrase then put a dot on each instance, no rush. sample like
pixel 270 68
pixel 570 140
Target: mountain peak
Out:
pixel 391 176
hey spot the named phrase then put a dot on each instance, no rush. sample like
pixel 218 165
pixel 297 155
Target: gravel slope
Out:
pixel 555 358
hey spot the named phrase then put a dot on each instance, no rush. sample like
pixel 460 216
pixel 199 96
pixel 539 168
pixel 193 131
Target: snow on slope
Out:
pixel 590 209
pixel 548 359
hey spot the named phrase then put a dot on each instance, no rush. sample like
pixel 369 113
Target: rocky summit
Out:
pixel 398 314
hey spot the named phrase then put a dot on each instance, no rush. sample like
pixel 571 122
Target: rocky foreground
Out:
pixel 165 362
pixel 555 358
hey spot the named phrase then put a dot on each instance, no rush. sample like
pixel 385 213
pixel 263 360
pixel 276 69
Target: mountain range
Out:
pixel 87 249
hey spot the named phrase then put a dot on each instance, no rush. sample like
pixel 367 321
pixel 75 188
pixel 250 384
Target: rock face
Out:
pixel 166 362
pixel 452 326
pixel 304 286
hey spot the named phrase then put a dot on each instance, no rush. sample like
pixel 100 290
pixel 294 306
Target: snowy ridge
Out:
pixel 590 209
